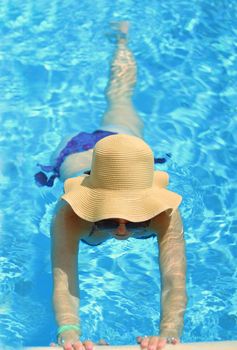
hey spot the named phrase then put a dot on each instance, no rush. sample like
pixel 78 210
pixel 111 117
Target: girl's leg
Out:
pixel 121 114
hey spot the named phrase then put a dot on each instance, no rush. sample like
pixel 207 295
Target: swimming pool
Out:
pixel 54 67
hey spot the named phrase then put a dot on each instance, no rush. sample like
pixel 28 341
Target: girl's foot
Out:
pixel 120 31
pixel 122 26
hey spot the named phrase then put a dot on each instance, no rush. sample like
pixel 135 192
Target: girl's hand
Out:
pixel 69 340
pixel 153 342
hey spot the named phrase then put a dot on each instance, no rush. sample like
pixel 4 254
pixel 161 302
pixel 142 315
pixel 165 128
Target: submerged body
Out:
pixel 69 227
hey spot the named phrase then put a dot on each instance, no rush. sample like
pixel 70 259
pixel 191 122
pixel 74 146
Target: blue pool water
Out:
pixel 54 59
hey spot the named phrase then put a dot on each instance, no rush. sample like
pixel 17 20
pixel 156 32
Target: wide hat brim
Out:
pixel 95 204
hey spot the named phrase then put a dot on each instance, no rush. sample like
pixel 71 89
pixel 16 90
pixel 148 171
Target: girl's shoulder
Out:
pixel 66 217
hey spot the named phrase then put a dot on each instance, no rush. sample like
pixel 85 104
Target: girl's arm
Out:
pixel 172 261
pixel 66 230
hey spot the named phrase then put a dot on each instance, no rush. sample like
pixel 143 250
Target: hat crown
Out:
pixel 122 162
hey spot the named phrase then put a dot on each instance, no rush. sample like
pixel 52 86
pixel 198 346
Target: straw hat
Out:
pixel 122 183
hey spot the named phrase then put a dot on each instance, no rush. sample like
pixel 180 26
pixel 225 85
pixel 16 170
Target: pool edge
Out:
pixel 220 345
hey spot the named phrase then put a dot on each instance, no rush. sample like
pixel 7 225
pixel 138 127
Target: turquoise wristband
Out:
pixel 69 327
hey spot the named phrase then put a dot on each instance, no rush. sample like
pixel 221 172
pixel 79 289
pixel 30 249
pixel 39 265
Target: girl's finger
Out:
pixel 144 342
pixel 161 344
pixel 139 338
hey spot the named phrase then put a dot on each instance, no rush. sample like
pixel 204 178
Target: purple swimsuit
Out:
pixel 79 143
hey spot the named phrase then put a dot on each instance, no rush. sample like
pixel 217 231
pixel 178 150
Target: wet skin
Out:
pixel 121 232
